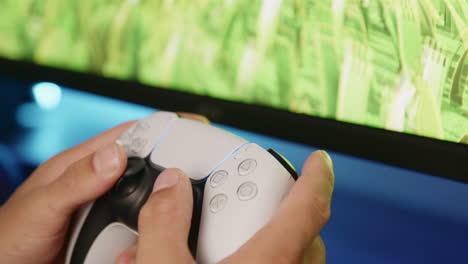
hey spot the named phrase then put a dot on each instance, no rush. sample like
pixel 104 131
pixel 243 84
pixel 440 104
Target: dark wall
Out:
pixel 13 93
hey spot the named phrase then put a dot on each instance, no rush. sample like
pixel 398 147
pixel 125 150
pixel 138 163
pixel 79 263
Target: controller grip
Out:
pixel 96 220
pixel 198 188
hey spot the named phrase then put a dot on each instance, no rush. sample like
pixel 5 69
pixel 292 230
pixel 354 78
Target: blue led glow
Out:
pixel 47 95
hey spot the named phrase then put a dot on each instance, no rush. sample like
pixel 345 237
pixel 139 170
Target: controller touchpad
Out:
pixel 195 148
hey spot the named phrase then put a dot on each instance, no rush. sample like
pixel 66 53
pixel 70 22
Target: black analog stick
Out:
pixel 121 204
pixel 131 178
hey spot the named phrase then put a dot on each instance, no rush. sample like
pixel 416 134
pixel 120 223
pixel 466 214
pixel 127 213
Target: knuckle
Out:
pixel 51 206
pixel 72 175
pixel 321 210
pixel 157 207
pixel 69 183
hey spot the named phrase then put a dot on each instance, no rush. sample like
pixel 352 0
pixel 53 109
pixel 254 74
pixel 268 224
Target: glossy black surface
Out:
pixel 121 204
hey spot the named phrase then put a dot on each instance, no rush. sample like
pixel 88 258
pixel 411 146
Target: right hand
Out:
pixel 291 236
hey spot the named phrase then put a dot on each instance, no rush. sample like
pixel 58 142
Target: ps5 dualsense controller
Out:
pixel 236 185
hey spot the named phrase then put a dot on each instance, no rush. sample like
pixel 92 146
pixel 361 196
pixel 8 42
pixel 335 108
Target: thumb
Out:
pixel 43 213
pixel 86 179
pixel 164 221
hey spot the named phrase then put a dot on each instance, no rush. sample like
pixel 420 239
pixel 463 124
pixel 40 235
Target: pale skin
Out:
pixel 35 220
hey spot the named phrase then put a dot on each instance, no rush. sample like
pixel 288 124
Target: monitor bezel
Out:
pixel 427 155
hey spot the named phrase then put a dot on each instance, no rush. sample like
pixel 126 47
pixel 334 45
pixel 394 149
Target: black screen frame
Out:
pixel 427 155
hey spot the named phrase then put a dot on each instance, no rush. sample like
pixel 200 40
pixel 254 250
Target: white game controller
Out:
pixel 236 185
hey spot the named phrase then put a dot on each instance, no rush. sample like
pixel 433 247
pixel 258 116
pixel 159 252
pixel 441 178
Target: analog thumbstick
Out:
pixel 131 178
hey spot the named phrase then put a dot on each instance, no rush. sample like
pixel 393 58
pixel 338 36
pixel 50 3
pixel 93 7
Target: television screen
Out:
pixel 397 65
pixel 394 74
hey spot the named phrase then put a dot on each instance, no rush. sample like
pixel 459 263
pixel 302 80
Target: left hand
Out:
pixel 35 220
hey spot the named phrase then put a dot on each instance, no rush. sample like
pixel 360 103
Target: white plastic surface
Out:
pixel 195 148
pixel 231 214
pixel 81 216
pixel 110 243
pixel 140 139
pixel 223 231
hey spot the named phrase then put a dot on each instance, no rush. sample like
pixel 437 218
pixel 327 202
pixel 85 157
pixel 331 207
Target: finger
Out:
pixel 300 217
pixel 128 256
pixel 85 180
pixel 165 221
pixel 315 253
pixel 54 167
pixel 44 213
pixel 195 117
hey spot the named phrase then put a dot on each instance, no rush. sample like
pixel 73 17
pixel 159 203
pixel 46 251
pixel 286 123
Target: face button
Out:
pixel 218 202
pixel 131 178
pixel 247 166
pixel 218 178
pixel 247 191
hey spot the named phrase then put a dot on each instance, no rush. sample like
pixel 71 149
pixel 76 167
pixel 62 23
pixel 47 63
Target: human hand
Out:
pixel 291 236
pixel 35 220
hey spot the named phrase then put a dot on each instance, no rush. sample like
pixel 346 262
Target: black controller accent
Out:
pixel 282 160
pixel 123 203
pixel 131 178
pixel 198 190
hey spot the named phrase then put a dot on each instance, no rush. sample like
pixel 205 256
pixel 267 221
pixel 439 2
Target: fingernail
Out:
pixel 327 159
pixel 166 179
pixel 205 120
pixel 202 119
pixel 107 159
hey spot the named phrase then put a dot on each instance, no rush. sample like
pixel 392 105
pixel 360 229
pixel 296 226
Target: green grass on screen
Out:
pixel 400 65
